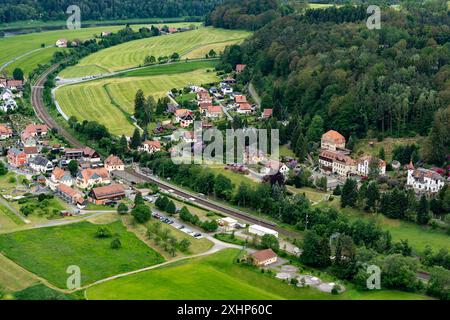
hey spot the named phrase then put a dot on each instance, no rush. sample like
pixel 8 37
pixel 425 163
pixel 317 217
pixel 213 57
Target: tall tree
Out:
pixel 423 211
pixel 135 139
pixel 349 193
pixel 139 105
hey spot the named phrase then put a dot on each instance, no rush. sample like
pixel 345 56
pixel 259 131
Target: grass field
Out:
pixel 132 54
pixel 110 101
pixel 363 147
pixel 236 178
pixel 48 252
pixel 31 61
pixel 217 277
pixel 16 46
pixel 12 277
pixel 167 69
pixel 41 292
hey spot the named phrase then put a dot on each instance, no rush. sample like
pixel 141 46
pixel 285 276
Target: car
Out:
pixel 170 222
pixel 192 199
pixel 198 235
pixel 180 227
pixel 162 218
pixel 171 190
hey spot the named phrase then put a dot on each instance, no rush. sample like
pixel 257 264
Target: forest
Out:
pixel 394 81
pixel 18 10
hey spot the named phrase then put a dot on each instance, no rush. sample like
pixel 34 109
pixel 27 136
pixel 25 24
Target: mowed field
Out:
pixel 109 101
pixel 15 46
pixel 14 278
pixel 190 44
pixel 217 277
pixel 48 252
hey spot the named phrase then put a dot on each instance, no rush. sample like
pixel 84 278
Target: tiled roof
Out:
pixel 335 136
pixel 108 191
pixel 113 160
pixel 264 255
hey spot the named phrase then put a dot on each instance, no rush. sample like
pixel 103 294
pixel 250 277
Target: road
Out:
pixel 42 113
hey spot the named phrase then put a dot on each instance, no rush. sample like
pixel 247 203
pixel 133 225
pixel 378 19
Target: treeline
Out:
pixel 244 14
pixel 389 81
pixel 18 10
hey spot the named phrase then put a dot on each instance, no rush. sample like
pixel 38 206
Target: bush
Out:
pixel 141 213
pixel 122 209
pixel 116 244
pixel 103 232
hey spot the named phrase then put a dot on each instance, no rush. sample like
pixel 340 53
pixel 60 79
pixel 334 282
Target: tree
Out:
pixel 139 104
pixel 184 245
pixel 398 272
pixel 423 211
pixel 3 169
pixel 223 187
pixel 162 202
pixel 103 232
pixel 149 110
pixel 122 209
pixel 315 129
pixel 301 147
pixel 344 265
pixel 18 74
pixel 138 199
pixel 372 196
pixel 73 167
pixel 316 250
pixel 349 193
pixel 115 243
pixel 141 213
pixel 439 139
pixel 382 154
pixel 149 60
pixel 135 139
pixel 171 208
pixel 123 145
pixel 439 283
pixel 212 53
pixel 269 241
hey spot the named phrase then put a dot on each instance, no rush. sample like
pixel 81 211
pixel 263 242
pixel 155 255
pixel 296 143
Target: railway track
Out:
pixel 39 107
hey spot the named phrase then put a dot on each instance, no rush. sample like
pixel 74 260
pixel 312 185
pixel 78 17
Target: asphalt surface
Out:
pixel 42 113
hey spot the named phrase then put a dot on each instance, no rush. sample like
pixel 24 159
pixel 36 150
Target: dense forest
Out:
pixel 326 66
pixel 17 10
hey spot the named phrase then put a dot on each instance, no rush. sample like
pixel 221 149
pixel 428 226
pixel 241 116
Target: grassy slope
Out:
pixel 90 100
pixel 362 146
pixel 49 251
pixel 17 45
pixel 132 54
pixel 217 277
pixel 12 277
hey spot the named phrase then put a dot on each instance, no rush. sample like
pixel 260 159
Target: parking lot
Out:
pixel 175 223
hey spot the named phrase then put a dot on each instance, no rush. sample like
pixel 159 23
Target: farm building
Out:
pixel 263 257
pixel 102 195
pixel 261 231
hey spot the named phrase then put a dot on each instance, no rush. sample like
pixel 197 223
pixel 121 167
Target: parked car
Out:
pixel 180 227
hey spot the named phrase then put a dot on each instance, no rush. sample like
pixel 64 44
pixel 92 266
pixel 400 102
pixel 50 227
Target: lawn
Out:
pixel 18 45
pixel 48 208
pixel 8 220
pixel 312 194
pixel 236 178
pixel 132 54
pixel 217 277
pixel 48 252
pixel 172 68
pixel 12 277
pixel 111 101
pixel 363 146
pixel 31 61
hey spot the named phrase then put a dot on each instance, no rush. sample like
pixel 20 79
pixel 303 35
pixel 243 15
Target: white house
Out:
pixel 60 176
pixel 114 163
pixel 150 146
pixel 41 164
pixel 424 180
pixel 272 167
pixel 61 43
pixel 261 231
pixel 364 165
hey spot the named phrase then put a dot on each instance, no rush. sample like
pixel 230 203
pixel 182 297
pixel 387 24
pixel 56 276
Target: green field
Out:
pixel 110 101
pixel 363 146
pixel 16 46
pixel 172 68
pixel 12 277
pixel 217 277
pixel 132 54
pixel 48 252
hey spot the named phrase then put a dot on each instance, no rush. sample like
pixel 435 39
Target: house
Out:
pixel 73 153
pixel 34 131
pixel 180 113
pixel 90 155
pixel 332 140
pixel 240 99
pixel 151 146
pixel 87 178
pixel 172 30
pixel 61 43
pixel 60 176
pixel 273 167
pixel 14 84
pixel 41 164
pixel 203 96
pixel 337 162
pixel 364 165
pixel 227 90
pixel 186 120
pixel 261 231
pixel 114 163
pixel 102 195
pixel 240 67
pixel 267 113
pixel 254 155
pixel 227 223
pixel 214 112
pixel 5 132
pixel 189 137
pixel 31 151
pixel 263 258
pixel 244 108
pixel 105 33
pixel 424 180
pixel 16 157
pixel 8 105
pixel 70 195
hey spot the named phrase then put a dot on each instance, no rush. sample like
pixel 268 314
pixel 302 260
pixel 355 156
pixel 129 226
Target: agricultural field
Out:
pixel 19 45
pixel 217 277
pixel 111 101
pixel 14 278
pixel 76 244
pixel 132 54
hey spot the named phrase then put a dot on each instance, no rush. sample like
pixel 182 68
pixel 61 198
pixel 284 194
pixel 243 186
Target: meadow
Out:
pixel 217 277
pixel 110 101
pixel 132 54
pixel 16 46
pixel 48 252
pixel 12 277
